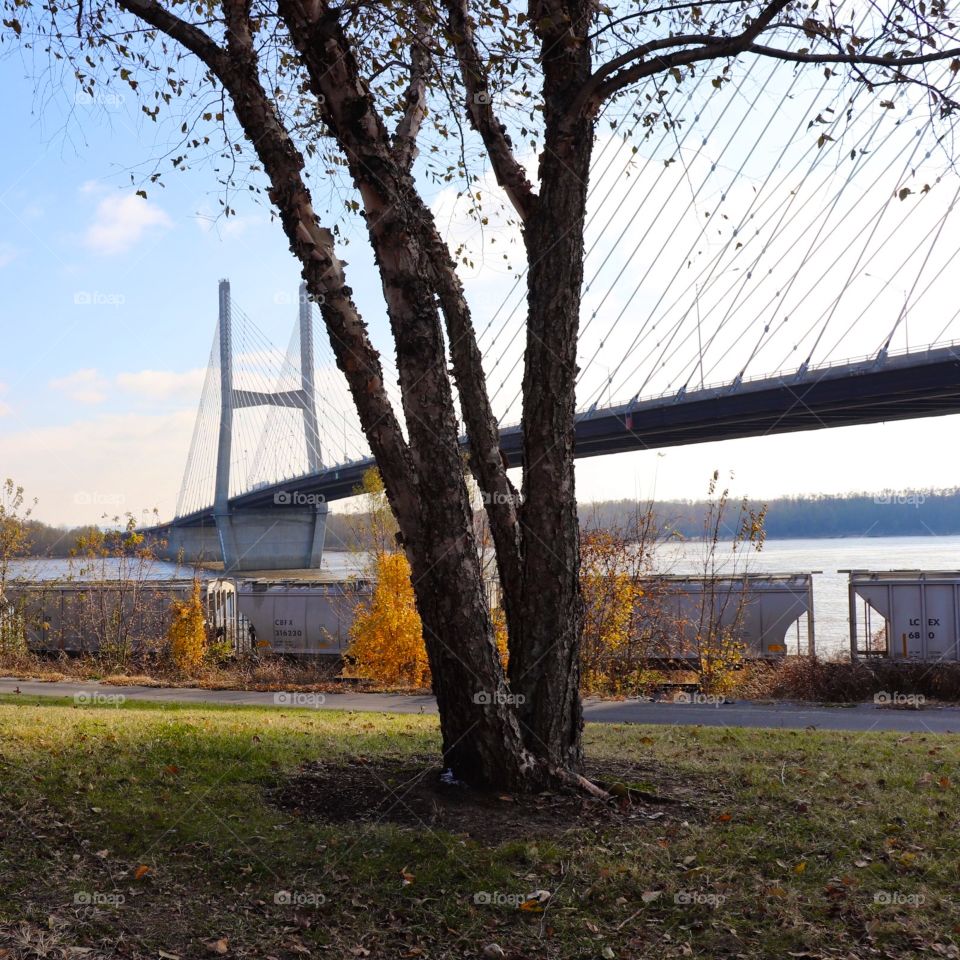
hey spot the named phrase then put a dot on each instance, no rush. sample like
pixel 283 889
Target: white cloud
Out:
pixel 163 384
pixel 82 386
pixel 105 464
pixel 121 221
pixel 8 254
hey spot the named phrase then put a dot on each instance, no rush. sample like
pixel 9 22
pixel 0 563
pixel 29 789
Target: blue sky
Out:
pixel 109 308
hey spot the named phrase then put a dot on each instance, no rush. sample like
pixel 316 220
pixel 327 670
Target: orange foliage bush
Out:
pixel 386 635
pixel 187 635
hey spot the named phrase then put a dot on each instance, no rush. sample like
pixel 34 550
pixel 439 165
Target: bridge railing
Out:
pixel 782 374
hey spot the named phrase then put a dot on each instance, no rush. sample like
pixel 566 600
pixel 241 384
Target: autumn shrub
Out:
pixel 720 657
pixel 13 637
pixel 187 635
pixel 842 681
pixel 14 542
pixel 620 604
pixel 386 634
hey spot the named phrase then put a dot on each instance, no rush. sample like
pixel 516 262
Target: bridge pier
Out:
pixel 278 538
pixel 272 538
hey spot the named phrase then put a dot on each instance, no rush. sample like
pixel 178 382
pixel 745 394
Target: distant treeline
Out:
pixel 48 541
pixel 886 514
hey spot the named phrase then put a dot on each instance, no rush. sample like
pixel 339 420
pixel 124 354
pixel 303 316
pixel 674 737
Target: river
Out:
pixel 778 556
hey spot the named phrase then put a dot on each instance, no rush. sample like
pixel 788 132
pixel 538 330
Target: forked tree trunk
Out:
pixel 484 742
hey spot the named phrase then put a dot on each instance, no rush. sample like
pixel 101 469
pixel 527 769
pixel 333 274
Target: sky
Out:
pixel 110 299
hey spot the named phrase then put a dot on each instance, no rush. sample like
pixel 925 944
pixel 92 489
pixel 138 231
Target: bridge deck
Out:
pixel 919 384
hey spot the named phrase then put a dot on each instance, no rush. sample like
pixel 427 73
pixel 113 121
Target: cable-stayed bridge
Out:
pixel 732 272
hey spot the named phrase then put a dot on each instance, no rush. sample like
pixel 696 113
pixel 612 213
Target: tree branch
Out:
pixel 398 219
pixel 191 37
pixel 506 168
pixel 405 136
pixel 615 75
pixel 311 243
pixel 852 59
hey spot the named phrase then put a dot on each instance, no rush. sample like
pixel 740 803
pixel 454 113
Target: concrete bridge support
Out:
pixel 278 538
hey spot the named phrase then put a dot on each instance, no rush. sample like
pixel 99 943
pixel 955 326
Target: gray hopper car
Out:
pixel 80 616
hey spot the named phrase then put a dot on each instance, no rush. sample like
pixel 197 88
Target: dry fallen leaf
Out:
pixel 536 901
pixel 221 946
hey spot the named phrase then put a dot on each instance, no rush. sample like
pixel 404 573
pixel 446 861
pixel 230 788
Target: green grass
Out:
pixel 786 841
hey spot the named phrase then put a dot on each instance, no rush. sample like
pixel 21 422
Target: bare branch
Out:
pixel 853 59
pixel 615 75
pixel 507 169
pixel 190 36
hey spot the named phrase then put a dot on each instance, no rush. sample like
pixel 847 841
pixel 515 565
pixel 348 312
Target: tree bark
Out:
pixel 544 659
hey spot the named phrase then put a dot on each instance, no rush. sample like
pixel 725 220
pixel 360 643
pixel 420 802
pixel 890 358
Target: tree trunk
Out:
pixel 482 743
pixel 544 660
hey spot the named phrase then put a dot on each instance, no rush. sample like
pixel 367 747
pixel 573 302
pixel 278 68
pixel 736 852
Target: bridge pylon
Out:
pixel 290 534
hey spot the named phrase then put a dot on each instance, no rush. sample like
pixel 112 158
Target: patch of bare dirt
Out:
pixel 413 793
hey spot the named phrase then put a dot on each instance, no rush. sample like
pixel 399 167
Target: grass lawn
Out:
pixel 159 831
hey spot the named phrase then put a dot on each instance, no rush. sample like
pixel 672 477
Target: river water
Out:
pixel 777 556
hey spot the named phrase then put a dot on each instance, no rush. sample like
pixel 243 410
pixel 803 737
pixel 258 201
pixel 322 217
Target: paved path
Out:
pixel 740 714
